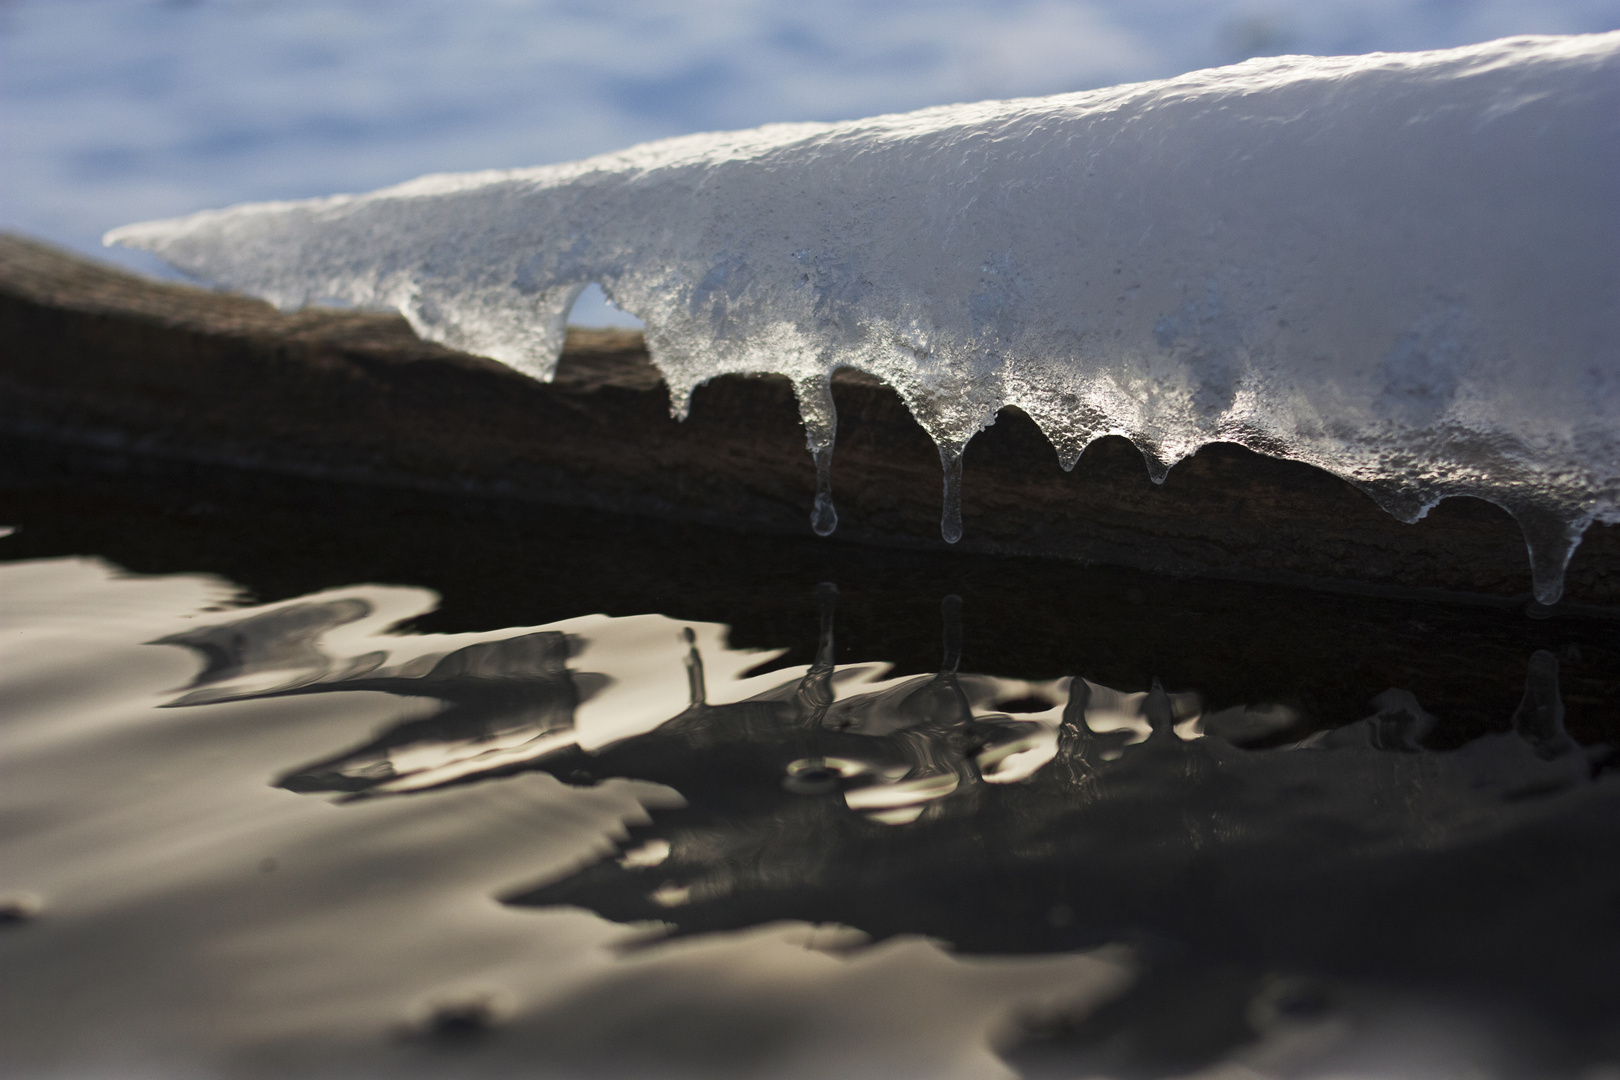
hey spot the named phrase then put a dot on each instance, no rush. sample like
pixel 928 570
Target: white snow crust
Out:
pixel 1403 268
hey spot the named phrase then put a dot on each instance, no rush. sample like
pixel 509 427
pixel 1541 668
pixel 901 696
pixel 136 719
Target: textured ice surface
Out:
pixel 1402 268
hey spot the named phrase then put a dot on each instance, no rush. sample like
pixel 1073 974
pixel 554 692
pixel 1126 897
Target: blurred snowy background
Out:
pixel 113 111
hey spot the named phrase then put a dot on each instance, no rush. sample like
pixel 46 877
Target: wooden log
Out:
pixel 93 356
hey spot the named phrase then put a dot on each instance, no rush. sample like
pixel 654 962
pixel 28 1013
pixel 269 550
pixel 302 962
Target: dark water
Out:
pixel 307 780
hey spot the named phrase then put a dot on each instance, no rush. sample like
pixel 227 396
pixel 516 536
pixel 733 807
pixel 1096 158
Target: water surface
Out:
pixel 302 780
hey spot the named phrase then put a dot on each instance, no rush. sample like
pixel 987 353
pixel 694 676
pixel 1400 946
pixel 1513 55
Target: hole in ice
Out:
pixel 593 309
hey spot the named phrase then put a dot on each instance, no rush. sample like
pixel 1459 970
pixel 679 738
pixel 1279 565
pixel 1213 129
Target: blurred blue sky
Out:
pixel 114 111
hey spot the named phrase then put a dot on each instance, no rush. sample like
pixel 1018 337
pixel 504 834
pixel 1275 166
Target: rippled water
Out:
pixel 1019 819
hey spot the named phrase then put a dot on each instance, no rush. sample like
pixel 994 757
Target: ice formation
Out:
pixel 1401 268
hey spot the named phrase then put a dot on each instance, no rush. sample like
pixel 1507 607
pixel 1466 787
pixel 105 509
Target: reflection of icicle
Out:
pixel 950 514
pixel 1160 713
pixel 950 616
pixel 1074 711
pixel 694 670
pixel 1539 719
pixel 940 702
pixel 1401 723
pixel 1074 737
pixel 815 692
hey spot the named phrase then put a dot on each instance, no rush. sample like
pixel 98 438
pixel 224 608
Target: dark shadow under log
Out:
pixel 96 358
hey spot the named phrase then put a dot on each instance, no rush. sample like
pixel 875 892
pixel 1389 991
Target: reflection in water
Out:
pixel 1275 898
pixel 504 701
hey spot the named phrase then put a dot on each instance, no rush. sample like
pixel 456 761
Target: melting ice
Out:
pixel 1401 268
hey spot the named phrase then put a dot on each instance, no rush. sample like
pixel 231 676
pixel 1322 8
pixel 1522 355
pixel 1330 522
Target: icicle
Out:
pixel 950 515
pixel 820 417
pixel 1401 500
pixel 1157 469
pixel 1551 540
pixel 824 516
